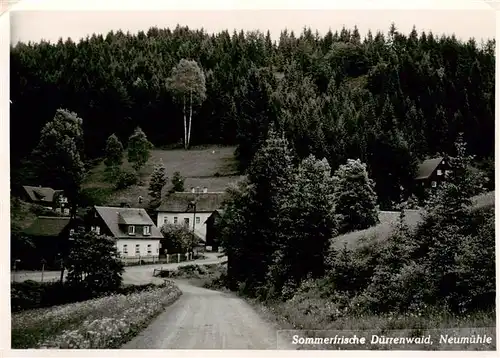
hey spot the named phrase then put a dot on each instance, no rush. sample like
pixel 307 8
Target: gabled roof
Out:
pixel 427 167
pixel 134 218
pixel 118 219
pixel 43 194
pixel 47 226
pixel 181 202
pixel 217 212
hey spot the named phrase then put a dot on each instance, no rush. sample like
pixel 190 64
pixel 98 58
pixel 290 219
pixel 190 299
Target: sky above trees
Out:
pixel 36 25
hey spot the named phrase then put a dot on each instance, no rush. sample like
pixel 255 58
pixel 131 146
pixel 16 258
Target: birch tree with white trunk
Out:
pixel 187 85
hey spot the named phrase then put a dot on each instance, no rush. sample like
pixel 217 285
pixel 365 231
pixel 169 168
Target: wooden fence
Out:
pixel 166 259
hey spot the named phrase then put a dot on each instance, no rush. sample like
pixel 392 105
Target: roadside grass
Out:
pixel 314 313
pixel 213 167
pixel 102 323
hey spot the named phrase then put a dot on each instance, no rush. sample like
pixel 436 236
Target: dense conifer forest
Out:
pixel 390 99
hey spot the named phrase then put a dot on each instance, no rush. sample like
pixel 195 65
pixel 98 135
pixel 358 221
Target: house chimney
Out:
pixel 205 190
pixel 192 189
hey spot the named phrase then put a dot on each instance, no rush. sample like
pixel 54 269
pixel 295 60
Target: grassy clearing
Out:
pixel 102 323
pixel 388 219
pixel 212 167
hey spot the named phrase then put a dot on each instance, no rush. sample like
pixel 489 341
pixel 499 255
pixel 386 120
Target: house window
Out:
pixel 58 210
pixel 197 219
pixel 448 172
pixel 149 249
pixel 71 232
pixel 175 219
pixel 165 220
pixel 433 184
pixel 125 249
pixel 97 230
pixel 66 211
pixel 137 249
pixel 439 172
pixel 146 231
pixel 131 230
pixel 186 221
pixel 157 250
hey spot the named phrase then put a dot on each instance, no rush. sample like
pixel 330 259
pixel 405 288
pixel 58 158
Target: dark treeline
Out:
pixel 389 100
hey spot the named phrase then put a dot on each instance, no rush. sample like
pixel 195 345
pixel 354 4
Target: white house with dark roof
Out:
pixel 179 208
pixel 136 235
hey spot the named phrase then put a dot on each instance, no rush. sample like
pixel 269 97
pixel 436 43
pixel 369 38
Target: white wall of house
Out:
pixel 200 227
pixel 144 249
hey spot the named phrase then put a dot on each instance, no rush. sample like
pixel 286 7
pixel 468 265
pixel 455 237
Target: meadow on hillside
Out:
pixel 213 167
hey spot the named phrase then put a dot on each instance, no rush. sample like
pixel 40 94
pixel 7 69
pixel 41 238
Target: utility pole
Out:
pixel 64 255
pixel 43 267
pixel 15 270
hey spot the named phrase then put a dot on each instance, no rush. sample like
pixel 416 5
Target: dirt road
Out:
pixel 206 319
pixel 132 275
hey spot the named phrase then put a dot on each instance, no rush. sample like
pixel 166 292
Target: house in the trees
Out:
pixel 191 209
pixel 137 237
pixel 213 230
pixel 47 197
pixel 432 172
pixel 51 238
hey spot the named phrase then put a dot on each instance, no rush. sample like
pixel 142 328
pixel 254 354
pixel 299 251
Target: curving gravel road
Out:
pixel 206 319
pixel 199 319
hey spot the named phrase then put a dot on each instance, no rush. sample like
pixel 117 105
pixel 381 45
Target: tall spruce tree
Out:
pixel 252 223
pixel 157 181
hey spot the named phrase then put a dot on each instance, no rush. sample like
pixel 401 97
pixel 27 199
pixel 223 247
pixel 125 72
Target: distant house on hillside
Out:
pixel 432 172
pixel 191 209
pixel 213 230
pixel 50 236
pixel 47 197
pixel 136 235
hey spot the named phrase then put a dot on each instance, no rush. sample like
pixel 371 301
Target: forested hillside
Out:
pixel 388 99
